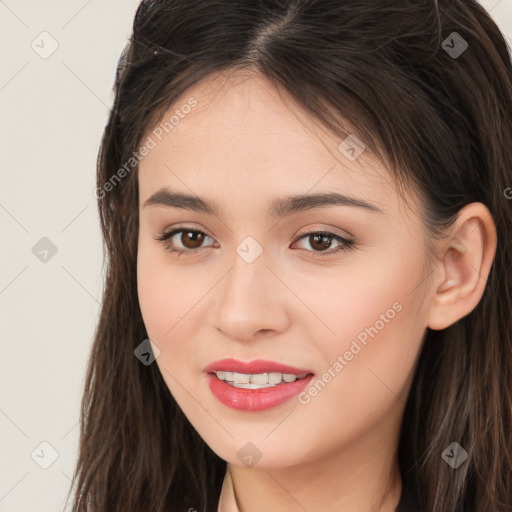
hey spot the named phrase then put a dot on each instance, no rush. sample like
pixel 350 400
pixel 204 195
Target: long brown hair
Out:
pixel 436 107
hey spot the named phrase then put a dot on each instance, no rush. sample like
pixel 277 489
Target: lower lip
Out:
pixel 255 399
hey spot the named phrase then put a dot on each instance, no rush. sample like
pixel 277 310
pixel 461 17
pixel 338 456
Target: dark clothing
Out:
pixel 408 500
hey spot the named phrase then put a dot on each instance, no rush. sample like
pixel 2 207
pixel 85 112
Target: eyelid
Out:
pixel 331 230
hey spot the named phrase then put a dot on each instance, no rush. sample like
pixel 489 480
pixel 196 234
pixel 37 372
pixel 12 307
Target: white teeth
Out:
pixel 260 378
pixel 275 378
pixel 241 378
pixel 257 380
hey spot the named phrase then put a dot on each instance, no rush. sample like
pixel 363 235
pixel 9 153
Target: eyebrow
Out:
pixel 278 207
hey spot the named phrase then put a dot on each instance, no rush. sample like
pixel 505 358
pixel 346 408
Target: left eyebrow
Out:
pixel 293 204
pixel 278 207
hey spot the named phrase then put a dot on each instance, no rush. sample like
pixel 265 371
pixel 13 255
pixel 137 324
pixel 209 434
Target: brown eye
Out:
pixel 183 240
pixel 192 239
pixel 320 241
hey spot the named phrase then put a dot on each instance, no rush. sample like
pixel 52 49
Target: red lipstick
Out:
pixel 255 399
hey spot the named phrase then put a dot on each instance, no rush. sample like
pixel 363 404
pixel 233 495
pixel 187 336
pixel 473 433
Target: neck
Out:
pixel 363 476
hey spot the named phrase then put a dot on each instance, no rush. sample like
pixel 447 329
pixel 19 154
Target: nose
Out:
pixel 251 301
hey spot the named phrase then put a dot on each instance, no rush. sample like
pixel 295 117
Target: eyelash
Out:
pixel 345 244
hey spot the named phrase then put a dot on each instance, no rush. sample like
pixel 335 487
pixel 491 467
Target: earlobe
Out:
pixel 464 265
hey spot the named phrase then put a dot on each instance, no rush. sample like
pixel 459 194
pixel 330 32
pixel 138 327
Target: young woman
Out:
pixel 307 212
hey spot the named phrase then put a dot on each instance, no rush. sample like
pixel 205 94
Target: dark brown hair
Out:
pixel 441 122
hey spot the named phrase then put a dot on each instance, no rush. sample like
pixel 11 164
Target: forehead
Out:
pixel 244 134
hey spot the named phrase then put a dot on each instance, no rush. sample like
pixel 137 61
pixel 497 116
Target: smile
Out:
pixel 255 385
pixel 257 380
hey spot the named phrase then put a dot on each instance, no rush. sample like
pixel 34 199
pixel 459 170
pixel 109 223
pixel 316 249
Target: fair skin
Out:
pixel 240 148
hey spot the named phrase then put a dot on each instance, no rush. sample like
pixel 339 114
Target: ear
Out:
pixel 463 266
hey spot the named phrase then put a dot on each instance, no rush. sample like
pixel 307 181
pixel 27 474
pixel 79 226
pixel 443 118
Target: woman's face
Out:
pixel 253 284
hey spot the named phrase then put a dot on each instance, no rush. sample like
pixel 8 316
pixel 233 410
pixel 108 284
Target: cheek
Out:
pixel 165 291
pixel 367 373
pixel 377 314
pixel 172 299
pixel 154 296
pixel 364 296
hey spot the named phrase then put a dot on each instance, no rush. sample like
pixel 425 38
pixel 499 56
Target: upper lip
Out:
pixel 252 367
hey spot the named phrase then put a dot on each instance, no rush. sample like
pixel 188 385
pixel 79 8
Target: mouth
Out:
pixel 254 389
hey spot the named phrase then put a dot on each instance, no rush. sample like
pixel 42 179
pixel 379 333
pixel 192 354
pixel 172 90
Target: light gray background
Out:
pixel 53 111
